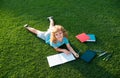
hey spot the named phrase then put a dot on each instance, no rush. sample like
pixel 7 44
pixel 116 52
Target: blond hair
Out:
pixel 55 30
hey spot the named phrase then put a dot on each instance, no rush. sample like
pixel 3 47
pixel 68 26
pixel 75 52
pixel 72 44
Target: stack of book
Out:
pixel 83 37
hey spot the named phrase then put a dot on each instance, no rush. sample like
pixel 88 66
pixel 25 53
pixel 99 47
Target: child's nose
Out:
pixel 59 36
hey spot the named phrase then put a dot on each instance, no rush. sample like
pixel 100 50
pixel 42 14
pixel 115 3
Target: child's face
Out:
pixel 59 35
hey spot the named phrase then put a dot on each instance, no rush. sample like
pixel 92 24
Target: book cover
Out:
pixel 60 58
pixel 92 38
pixel 82 37
pixel 88 55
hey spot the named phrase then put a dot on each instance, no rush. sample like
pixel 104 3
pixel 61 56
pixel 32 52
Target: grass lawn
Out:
pixel 23 55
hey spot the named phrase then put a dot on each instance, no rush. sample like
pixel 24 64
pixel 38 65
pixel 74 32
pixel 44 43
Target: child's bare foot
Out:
pixel 26 25
pixel 51 17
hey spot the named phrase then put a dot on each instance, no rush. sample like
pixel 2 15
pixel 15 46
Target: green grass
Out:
pixel 23 55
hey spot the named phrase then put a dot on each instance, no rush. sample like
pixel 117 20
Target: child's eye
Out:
pixel 60 33
pixel 56 34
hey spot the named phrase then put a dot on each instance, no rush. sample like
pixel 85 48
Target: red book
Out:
pixel 83 37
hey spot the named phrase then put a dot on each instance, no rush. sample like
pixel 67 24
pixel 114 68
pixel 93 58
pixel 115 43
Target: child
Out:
pixel 56 36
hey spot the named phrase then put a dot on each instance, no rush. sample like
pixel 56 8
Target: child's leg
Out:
pixel 39 34
pixel 51 21
pixel 33 30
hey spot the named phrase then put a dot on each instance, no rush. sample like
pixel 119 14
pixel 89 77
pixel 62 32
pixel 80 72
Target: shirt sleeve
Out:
pixel 53 45
pixel 66 40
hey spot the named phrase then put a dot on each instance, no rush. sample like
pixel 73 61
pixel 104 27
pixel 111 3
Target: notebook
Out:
pixel 91 38
pixel 83 37
pixel 60 58
pixel 88 56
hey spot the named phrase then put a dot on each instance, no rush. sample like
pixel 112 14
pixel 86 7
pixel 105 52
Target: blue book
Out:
pixel 92 38
pixel 88 56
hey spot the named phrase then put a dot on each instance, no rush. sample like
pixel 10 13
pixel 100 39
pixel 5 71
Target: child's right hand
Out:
pixel 66 51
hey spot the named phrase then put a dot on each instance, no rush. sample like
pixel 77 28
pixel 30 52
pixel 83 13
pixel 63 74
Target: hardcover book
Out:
pixel 88 56
pixel 83 37
pixel 91 38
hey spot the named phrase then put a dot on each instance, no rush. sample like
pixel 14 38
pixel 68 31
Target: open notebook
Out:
pixel 60 58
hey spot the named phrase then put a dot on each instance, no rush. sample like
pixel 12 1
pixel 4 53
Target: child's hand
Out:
pixel 66 51
pixel 76 55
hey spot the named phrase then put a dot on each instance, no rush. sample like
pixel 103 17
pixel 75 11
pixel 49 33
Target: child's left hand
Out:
pixel 76 55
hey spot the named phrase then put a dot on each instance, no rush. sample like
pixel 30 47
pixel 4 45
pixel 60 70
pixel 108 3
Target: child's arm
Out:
pixel 62 50
pixel 71 50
